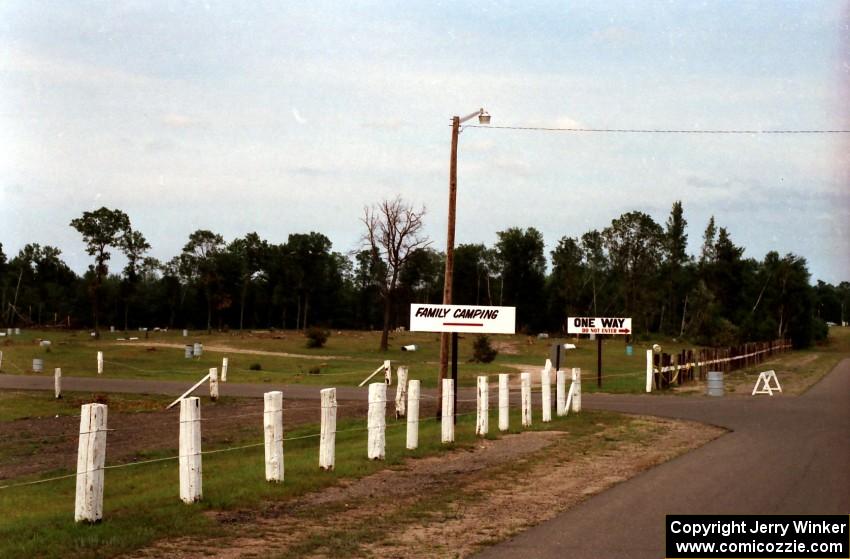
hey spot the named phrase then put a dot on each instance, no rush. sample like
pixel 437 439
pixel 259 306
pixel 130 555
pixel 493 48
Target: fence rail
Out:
pixel 663 370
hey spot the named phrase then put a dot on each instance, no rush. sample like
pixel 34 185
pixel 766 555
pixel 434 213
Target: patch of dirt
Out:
pixel 228 349
pixel 470 498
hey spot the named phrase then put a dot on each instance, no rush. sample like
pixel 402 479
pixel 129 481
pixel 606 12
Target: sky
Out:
pixel 290 117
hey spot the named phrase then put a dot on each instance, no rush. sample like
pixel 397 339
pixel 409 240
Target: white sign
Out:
pixel 462 318
pixel 598 325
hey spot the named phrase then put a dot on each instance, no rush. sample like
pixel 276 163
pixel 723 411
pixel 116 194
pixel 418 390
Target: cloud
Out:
pixel 175 120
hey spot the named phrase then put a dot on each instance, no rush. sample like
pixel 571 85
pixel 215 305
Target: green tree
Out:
pixel 635 243
pixel 523 274
pixel 101 229
pixel 566 280
pixel 134 245
pixel 198 261
pixel 593 253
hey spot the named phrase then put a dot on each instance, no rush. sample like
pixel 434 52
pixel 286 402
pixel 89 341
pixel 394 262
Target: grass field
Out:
pixel 347 359
pixel 141 504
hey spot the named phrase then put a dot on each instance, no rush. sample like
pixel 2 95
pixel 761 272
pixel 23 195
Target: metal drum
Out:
pixel 715 383
pixel 189 354
pixel 37 365
pixel 199 349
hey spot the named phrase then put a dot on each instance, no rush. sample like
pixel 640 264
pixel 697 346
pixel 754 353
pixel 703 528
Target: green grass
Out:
pixel 75 353
pixel 141 502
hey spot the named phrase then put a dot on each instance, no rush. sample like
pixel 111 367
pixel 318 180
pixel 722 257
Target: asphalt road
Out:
pixel 783 455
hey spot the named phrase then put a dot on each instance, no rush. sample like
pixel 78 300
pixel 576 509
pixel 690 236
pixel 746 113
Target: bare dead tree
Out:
pixel 393 233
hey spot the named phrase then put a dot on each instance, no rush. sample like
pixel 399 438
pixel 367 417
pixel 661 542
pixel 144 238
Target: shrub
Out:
pixel 316 337
pixel 482 350
pixel 255 367
pixel 314 370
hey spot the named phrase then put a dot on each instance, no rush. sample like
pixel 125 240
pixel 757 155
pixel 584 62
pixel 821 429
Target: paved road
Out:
pixel 170 387
pixel 784 455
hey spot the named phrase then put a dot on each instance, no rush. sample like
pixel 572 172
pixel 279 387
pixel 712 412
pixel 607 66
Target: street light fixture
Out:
pixel 483 118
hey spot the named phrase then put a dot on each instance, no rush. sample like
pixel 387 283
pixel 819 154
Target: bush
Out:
pixel 316 337
pixel 482 350
pixel 820 331
pixel 255 367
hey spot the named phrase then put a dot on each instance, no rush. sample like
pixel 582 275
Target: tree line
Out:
pixel 634 267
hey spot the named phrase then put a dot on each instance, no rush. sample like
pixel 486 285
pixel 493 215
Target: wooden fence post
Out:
pixel 504 402
pixel 448 419
pixel 224 363
pixel 525 397
pixel 400 392
pixel 191 468
pixel 377 420
pixel 576 389
pixel 560 392
pixel 327 437
pixel 482 422
pixel 57 383
pixel 413 415
pixel 545 396
pixel 91 455
pixel 273 434
pixel 649 370
pixel 1 360
pixel 100 362
pixel 213 384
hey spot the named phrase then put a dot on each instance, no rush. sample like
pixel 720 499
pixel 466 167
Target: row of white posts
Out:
pixel 92 443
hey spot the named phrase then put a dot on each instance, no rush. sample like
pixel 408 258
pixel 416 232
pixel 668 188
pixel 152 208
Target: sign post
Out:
pixel 599 326
pixel 461 319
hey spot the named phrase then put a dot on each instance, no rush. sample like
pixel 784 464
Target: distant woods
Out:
pixel 634 267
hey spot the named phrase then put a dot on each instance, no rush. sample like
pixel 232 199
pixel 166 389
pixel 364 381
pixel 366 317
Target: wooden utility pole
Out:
pixel 450 258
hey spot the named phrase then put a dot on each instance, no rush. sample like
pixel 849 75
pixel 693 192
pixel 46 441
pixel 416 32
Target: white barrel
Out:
pixel 714 383
pixel 198 349
pixel 188 352
pixel 37 365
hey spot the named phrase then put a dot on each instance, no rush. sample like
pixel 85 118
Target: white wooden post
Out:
pixel 546 396
pixel 100 362
pixel 525 382
pixel 504 402
pixel 413 415
pixel 213 384
pixel 649 370
pixel 448 420
pixel 91 455
pixel 482 422
pixel 191 470
pixel 400 392
pixel 561 392
pixel 57 383
pixel 1 360
pixel 377 420
pixel 327 437
pixel 388 373
pixel 576 387
pixel 273 431
pixel 224 362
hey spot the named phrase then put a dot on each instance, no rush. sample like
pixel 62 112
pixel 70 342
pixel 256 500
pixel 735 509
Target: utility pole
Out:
pixel 483 118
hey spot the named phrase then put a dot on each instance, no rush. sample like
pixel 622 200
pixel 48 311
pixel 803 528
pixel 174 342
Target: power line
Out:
pixel 655 131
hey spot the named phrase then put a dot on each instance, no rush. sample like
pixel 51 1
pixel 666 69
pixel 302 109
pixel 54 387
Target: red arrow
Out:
pixel 624 330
